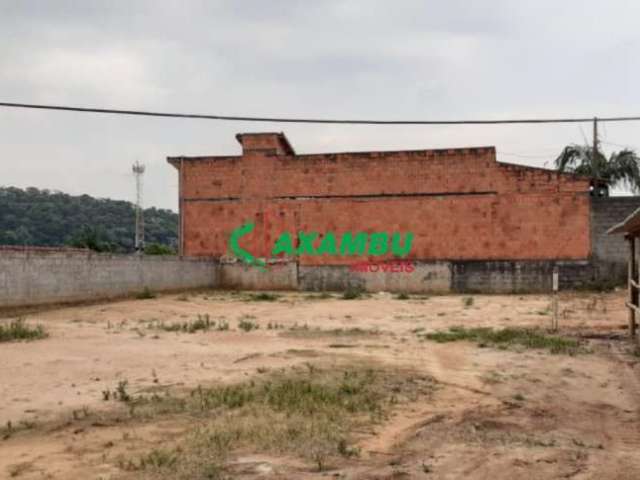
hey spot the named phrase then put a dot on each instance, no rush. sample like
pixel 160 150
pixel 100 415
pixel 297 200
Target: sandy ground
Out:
pixel 498 414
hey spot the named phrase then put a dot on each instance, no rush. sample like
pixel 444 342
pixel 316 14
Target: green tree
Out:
pixel 49 218
pixel 620 169
pixel 92 238
pixel 158 249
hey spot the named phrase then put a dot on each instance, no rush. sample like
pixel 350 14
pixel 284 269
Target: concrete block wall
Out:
pixel 239 276
pixel 519 276
pixel 426 277
pixel 32 276
pixel 610 251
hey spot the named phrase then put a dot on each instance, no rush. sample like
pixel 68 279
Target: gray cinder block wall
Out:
pixel 609 252
pixel 434 277
pixel 34 276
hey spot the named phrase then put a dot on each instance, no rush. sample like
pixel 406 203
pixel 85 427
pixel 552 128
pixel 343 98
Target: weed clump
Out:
pixel 262 297
pixel 201 323
pixel 503 338
pixel 275 326
pixel 17 330
pixel 246 324
pixel 120 393
pixel 352 293
pixel 146 294
pixel 402 296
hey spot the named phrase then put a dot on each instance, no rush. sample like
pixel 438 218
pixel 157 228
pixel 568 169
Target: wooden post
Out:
pixel 632 279
pixel 554 303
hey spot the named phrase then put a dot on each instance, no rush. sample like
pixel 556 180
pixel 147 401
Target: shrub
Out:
pixel 19 330
pixel 263 297
pixel 146 294
pixel 246 324
pixel 352 293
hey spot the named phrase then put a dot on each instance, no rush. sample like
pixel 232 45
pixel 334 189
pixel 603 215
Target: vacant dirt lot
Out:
pixel 454 410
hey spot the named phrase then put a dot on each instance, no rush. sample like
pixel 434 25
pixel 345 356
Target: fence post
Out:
pixel 631 280
pixel 554 303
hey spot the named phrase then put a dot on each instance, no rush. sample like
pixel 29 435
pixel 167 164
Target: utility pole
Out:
pixel 595 137
pixel 138 171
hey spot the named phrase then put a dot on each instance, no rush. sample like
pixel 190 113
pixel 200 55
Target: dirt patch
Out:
pixel 496 413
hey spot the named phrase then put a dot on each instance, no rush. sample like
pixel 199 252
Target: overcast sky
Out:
pixel 421 59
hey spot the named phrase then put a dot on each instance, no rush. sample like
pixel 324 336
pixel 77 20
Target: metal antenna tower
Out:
pixel 138 171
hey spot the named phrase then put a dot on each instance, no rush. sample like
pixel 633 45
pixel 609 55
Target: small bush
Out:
pixel 120 393
pixel 263 297
pixel 467 301
pixel 19 330
pixel 145 294
pixel 402 296
pixel 123 395
pixel 202 323
pixel 246 324
pixel 352 293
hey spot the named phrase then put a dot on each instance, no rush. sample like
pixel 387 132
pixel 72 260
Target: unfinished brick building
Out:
pixel 478 224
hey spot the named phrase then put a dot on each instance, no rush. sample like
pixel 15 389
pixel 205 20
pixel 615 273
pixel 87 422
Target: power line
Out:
pixel 315 120
pixel 617 144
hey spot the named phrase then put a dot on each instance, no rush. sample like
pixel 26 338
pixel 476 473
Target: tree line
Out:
pixel 38 217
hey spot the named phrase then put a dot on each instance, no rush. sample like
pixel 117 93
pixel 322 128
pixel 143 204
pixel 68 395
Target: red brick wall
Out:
pixel 460 204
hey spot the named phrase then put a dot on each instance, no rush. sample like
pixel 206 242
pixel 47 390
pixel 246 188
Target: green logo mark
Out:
pixel 241 253
pixel 360 243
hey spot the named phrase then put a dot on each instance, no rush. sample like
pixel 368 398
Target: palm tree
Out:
pixel 621 168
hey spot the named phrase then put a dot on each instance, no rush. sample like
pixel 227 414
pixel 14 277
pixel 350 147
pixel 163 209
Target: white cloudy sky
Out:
pixel 412 59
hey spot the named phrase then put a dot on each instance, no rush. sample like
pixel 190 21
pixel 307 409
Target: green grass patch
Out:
pixel 246 324
pixel 17 330
pixel 352 293
pixel 262 297
pixel 146 294
pixel 506 337
pixel 308 412
pixel 202 323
